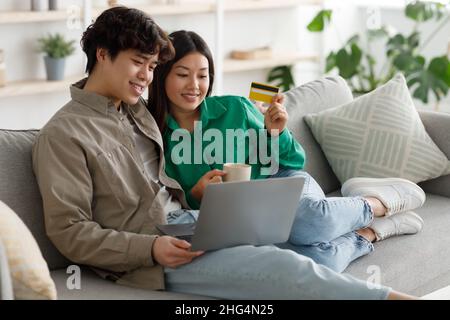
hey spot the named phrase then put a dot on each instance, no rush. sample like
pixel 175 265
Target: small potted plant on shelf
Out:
pixel 56 49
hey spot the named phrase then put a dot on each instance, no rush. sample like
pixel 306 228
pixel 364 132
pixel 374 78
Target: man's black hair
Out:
pixel 121 28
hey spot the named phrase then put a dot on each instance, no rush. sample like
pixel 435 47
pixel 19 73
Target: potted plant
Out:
pixel 56 49
pixel 356 63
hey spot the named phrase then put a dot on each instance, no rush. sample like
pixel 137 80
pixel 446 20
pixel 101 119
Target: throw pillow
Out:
pixel 378 135
pixel 30 275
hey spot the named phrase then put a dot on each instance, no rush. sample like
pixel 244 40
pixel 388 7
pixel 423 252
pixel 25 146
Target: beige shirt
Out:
pixel 149 154
pixel 100 207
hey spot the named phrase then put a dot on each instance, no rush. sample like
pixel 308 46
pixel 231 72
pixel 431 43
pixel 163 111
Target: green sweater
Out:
pixel 187 161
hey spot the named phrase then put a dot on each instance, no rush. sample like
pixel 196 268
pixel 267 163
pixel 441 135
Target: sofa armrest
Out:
pixel 6 289
pixel 437 125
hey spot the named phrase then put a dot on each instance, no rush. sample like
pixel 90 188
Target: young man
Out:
pixel 100 168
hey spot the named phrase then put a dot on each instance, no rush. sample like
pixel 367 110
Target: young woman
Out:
pixel 332 231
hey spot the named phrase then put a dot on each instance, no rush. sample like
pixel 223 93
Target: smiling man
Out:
pixel 97 160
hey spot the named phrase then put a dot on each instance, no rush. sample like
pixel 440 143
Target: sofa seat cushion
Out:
pixel 95 288
pixel 416 264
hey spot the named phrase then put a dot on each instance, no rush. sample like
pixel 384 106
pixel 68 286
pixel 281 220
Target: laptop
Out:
pixel 256 212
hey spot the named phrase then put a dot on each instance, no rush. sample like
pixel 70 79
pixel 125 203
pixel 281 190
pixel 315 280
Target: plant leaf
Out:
pixel 330 62
pixel 282 77
pixel 55 46
pixel 408 63
pixel 373 34
pixel 348 62
pixel 320 20
pixel 422 11
pixel 435 78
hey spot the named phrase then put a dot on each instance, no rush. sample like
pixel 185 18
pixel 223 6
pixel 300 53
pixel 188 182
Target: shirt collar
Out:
pixel 209 109
pixel 90 99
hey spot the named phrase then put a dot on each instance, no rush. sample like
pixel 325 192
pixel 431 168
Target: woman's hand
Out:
pixel 213 176
pixel 275 117
pixel 172 252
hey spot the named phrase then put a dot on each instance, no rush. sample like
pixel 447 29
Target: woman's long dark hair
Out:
pixel 184 42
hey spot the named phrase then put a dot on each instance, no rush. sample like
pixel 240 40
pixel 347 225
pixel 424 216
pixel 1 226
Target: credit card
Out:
pixel 262 92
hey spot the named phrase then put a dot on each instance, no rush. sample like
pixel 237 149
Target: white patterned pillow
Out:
pixel 377 135
pixel 30 275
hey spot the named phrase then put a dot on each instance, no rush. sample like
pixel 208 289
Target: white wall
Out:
pixel 282 29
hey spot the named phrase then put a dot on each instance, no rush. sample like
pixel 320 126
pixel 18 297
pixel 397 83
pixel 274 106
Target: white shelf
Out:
pixel 7 17
pixel 247 5
pixel 234 65
pixel 168 9
pixel 30 87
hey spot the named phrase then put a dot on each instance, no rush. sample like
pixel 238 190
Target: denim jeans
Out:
pixel 324 228
pixel 264 272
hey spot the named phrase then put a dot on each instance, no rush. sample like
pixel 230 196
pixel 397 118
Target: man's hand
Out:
pixel 213 176
pixel 275 117
pixel 172 252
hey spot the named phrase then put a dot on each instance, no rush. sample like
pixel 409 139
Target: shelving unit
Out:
pixel 30 87
pixel 10 17
pixel 237 5
pixel 168 9
pixel 250 5
pixel 234 65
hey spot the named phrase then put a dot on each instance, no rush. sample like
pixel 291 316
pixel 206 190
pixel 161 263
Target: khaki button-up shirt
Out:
pixel 100 207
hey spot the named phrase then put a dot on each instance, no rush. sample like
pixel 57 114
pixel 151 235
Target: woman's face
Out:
pixel 188 82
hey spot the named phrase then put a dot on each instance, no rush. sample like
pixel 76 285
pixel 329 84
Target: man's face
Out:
pixel 128 75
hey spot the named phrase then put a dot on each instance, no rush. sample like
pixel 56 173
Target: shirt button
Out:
pixel 121 118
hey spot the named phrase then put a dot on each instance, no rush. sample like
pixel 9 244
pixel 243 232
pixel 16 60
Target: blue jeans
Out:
pixel 324 228
pixel 265 272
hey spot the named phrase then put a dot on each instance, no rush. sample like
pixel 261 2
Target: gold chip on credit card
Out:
pixel 262 92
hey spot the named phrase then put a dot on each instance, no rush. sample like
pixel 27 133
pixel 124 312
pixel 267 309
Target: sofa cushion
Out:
pixel 416 264
pixel 437 125
pixel 92 287
pixel 379 134
pixel 19 189
pixel 29 271
pixel 314 97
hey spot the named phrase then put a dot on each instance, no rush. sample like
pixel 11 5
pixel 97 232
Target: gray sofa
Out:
pixel 416 264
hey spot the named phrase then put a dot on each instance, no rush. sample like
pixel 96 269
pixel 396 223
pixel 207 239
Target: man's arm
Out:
pixel 66 187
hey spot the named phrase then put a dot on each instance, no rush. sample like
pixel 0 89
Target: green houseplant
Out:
pixel 56 48
pixel 356 63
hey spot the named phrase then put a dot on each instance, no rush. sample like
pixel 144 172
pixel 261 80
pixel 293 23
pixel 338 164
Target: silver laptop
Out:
pixel 256 212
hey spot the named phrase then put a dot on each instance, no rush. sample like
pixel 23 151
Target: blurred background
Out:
pixel 283 42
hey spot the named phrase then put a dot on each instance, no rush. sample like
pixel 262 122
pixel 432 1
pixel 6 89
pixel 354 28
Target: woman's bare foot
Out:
pixel 378 208
pixel 367 233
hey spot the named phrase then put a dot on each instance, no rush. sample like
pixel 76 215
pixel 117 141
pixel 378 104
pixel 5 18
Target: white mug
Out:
pixel 237 172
